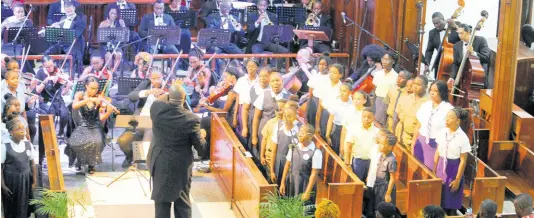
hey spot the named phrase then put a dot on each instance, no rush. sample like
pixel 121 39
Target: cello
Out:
pixel 470 70
pixel 447 54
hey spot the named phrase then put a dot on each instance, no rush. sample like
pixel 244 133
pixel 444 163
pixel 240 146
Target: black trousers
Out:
pixel 182 208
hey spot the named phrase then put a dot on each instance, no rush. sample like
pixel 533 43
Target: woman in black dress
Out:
pixel 87 139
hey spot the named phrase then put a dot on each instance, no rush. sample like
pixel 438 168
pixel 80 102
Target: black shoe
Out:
pixel 126 163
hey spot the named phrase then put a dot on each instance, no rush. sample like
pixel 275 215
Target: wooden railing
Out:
pixel 237 175
pixel 417 186
pixel 55 57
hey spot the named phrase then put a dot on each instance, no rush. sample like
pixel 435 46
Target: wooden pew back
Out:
pixel 417 186
pixel 338 183
pixel 235 171
pixel 515 161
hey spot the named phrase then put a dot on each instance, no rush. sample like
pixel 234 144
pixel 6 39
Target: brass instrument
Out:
pixel 231 20
pixel 312 20
pixel 266 18
pixel 309 6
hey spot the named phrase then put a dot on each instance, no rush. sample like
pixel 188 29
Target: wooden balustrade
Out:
pixel 55 57
pixel 417 186
pixel 237 175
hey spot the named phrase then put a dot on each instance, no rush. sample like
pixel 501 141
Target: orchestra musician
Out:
pixel 224 20
pixel 15 21
pixel 319 19
pixel 256 23
pixel 198 79
pixel 479 48
pixel 59 7
pixel 142 60
pixel 185 35
pixel 151 88
pixel 158 18
pixel 119 5
pixel 435 39
pixel 371 61
pixel 54 85
pixel 78 23
pixel 96 68
pixel 207 8
pixel 112 21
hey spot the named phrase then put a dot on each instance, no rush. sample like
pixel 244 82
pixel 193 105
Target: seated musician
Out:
pixel 371 57
pixel 318 19
pixel 142 60
pixel 59 7
pixel 148 89
pixel 185 35
pixel 15 21
pixel 106 49
pixel 224 20
pixel 96 68
pixel 158 18
pixel 198 79
pixel 119 4
pixel 479 48
pixel 435 38
pixel 208 7
pixel 76 23
pixel 258 20
pixel 229 80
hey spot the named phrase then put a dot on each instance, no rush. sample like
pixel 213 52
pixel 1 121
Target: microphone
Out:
pixel 343 16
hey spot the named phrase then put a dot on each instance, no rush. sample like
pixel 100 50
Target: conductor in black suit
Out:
pixel 479 48
pixel 322 20
pixel 171 153
pixel 435 38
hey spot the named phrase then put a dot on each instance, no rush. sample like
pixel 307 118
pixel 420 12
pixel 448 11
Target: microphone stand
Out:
pixel 476 108
pixel 374 37
pixel 20 30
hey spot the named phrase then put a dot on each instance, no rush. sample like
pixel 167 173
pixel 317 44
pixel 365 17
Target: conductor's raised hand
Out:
pixel 203 133
pixel 178 81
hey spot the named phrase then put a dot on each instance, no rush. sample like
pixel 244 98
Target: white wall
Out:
pixel 471 15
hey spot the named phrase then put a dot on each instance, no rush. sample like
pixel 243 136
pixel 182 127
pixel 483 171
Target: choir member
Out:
pixel 284 136
pixel 450 160
pixel 265 105
pixel 242 89
pixel 225 21
pixel 148 89
pixel 87 139
pixel 386 173
pixel 430 123
pixel 142 65
pixel 112 21
pixel 256 23
pixel 359 144
pixel 158 18
pixel 303 162
pixel 479 48
pixel 393 96
pixel 435 39
pixel 74 22
pixel 383 80
pixel 266 151
pixel 342 106
pixel 407 111
pixel 322 75
pixel 322 20
pixel 13 86
pixel 19 173
pixel 59 7
pixel 11 107
pixel 353 119
pixel 327 92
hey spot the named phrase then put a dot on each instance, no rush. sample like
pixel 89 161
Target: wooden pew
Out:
pixel 515 161
pixel 237 175
pixel 338 183
pixel 522 122
pixel 487 184
pixel 417 186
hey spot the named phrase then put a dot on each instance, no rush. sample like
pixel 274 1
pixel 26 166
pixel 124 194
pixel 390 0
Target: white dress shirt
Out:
pixel 353 120
pixel 258 104
pixel 158 20
pixel 261 25
pixel 383 81
pixel 293 132
pixel 19 148
pixel 245 99
pixel 242 88
pixel 224 21
pixel 328 93
pixel 317 159
pixel 373 165
pixel 453 144
pixel 432 120
pixel 340 110
pixel 68 22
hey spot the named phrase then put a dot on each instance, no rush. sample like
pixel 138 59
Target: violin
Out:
pixel 221 91
pixel 365 83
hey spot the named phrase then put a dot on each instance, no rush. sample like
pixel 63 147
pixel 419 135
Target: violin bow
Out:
pixel 172 69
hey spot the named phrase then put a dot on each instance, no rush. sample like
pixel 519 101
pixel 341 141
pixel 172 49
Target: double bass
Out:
pixel 470 70
pixel 447 54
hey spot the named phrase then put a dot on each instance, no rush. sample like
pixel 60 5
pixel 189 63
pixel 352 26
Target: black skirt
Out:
pixel 20 184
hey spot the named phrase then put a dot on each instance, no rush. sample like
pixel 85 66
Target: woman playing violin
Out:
pixel 229 80
pixel 199 78
pixel 96 69
pixel 142 63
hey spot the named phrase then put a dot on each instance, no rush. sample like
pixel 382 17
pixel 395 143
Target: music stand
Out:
pixel 56 17
pixel 129 16
pixel 127 84
pixel 184 19
pixel 311 34
pixel 134 122
pixel 164 35
pixel 208 37
pixel 253 8
pixel 59 35
pixel 277 34
pixel 27 34
pixel 292 15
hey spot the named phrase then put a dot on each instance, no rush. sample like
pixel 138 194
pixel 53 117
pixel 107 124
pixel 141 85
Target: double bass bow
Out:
pixel 470 69
pixel 447 54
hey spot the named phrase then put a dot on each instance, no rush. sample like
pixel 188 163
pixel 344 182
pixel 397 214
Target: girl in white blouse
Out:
pixel 450 159
pixel 321 75
pixel 431 122
pixel 338 115
pixel 327 92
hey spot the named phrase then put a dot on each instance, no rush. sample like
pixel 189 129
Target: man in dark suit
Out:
pixel 171 155
pixel 120 4
pixel 435 37
pixel 77 23
pixel 58 7
pixel 207 7
pixel 158 18
pixel 324 20
pixel 258 20
pixel 479 48
pixel 151 88
pixel 223 20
